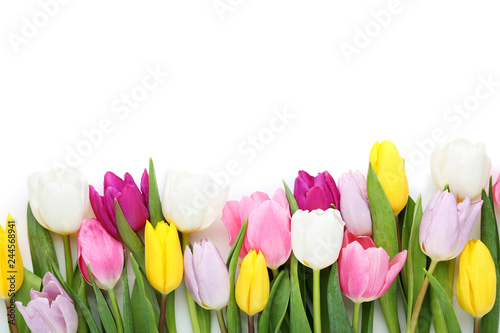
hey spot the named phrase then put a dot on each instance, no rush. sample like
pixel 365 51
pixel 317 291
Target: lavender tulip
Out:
pixel 206 275
pixel 446 225
pixel 354 203
pixel 51 310
pixel 133 203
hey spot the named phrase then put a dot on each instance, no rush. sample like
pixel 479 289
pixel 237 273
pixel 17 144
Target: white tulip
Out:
pixel 192 201
pixel 317 237
pixel 59 199
pixel 464 166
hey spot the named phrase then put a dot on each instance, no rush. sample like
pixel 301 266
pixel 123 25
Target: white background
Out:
pixel 231 69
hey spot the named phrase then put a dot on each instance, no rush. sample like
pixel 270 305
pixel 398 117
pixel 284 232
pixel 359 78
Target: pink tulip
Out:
pixel 268 228
pixel 206 275
pixel 104 254
pixel 365 272
pixel 318 192
pixel 133 203
pixel 496 192
pixel 354 203
pixel 446 225
pixel 51 310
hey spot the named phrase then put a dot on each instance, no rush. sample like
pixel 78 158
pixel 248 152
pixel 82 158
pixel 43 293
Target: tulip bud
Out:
pixel 390 170
pixel 318 192
pixel 464 166
pixel 206 275
pixel 59 199
pixel 354 203
pixel 476 279
pixel 252 287
pixel 164 263
pixel 317 237
pixel 104 254
pixel 11 263
pixel 51 310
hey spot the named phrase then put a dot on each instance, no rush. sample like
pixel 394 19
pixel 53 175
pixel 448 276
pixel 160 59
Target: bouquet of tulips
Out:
pixel 302 255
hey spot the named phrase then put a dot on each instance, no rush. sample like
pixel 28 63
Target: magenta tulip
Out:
pixel 133 202
pixel 318 192
pixel 446 225
pixel 354 203
pixel 104 254
pixel 51 310
pixel 268 228
pixel 206 275
pixel 365 272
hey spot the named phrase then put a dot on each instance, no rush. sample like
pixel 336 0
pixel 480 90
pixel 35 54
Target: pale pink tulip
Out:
pixel 496 192
pixel 365 272
pixel 354 203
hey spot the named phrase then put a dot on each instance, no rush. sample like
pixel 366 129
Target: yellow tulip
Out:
pixel 252 287
pixel 390 170
pixel 476 279
pixel 164 262
pixel 11 264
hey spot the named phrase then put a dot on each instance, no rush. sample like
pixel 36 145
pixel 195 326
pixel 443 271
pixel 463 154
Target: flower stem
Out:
pixel 163 309
pixel 116 310
pixel 420 299
pixel 355 317
pixel 316 301
pixel 11 318
pixel 193 313
pixel 220 318
pixel 250 324
pixel 275 273
pixel 477 324
pixel 68 260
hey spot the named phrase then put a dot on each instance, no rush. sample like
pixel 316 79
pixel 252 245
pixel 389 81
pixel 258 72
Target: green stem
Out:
pixel 250 324
pixel 316 301
pixel 275 273
pixel 220 318
pixel 116 310
pixel 68 260
pixel 193 313
pixel 477 324
pixel 11 317
pixel 163 309
pixel 355 317
pixel 420 299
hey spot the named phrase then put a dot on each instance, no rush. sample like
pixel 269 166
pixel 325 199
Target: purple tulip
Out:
pixel 133 202
pixel 206 275
pixel 446 225
pixel 354 203
pixel 318 192
pixel 51 310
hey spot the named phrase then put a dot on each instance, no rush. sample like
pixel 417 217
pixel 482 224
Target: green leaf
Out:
pixel 79 285
pixel 291 199
pixel 128 321
pixel 405 241
pixel 274 313
pixel 384 235
pixel 130 238
pixel 444 301
pixel 204 318
pixel 490 238
pixel 142 309
pixel 238 239
pixel 367 317
pixel 298 317
pixel 170 315
pixel 107 320
pixel 30 281
pixel 74 296
pixel 40 243
pixel 445 275
pixel 233 312
pixel 155 212
pixel 336 308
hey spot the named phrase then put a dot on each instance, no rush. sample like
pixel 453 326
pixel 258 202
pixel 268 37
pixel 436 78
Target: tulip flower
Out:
pixel 446 225
pixel 59 199
pixel 133 203
pixel 354 203
pixel 206 275
pixel 464 166
pixel 476 279
pixel 11 263
pixel 318 192
pixel 268 228
pixel 104 254
pixel 496 192
pixel 192 201
pixel 252 286
pixel 51 310
pixel 389 168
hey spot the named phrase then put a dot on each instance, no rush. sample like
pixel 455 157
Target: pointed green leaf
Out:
pixel 30 281
pixel 40 243
pixel 405 240
pixel 367 317
pixel 298 317
pixel 238 239
pixel 144 319
pixel 291 199
pixel 272 317
pixel 79 285
pixel 445 275
pixel 107 320
pixel 336 308
pixel 204 318
pixel 128 321
pixel 170 315
pixel 155 213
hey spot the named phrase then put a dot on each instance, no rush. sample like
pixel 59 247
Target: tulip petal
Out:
pixel 190 278
pixel 155 255
pixel 279 196
pixel 133 207
pixel 352 271
pixel 316 199
pixel 395 267
pixel 110 194
pixel 302 184
pixel 259 197
pixel 332 195
pixel 101 212
pixel 112 180
pixel 145 187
